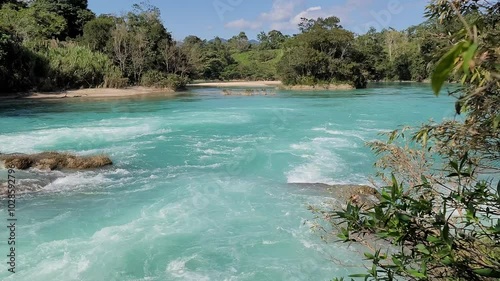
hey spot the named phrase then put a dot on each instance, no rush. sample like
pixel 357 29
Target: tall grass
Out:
pixel 73 66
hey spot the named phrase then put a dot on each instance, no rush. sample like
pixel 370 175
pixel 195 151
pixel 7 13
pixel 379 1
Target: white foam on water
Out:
pixel 120 172
pixel 37 140
pixel 209 117
pixel 321 158
pixel 86 180
pixel 177 269
pixel 79 179
pixel 83 265
pixel 308 173
pixel 335 142
pixel 214 152
pixel 346 133
pixel 189 166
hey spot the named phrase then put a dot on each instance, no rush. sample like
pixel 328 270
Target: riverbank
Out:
pixel 143 91
pixel 93 93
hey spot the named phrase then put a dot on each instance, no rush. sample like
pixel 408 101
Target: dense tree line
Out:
pixel 55 44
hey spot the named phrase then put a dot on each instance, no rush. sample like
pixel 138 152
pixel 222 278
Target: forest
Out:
pixel 48 45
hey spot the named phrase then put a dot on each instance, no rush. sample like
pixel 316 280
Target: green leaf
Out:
pixel 464 160
pixel 498 188
pixel 454 165
pixel 464 78
pixel 369 256
pixel 394 180
pixel 433 239
pixel 416 274
pixel 397 262
pixel 496 122
pixel 474 77
pixel 421 248
pixel 469 54
pixel 359 275
pixel 445 66
pixel 487 272
pixel 447 261
pixel 446 232
pixel 404 218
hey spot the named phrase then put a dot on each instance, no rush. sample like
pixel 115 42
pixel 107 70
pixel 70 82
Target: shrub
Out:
pixel 177 82
pixel 114 78
pixel 158 79
pixel 72 66
pixel 154 78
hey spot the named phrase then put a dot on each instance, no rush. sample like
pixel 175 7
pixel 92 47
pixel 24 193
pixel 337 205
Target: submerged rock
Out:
pixel 359 195
pixel 54 161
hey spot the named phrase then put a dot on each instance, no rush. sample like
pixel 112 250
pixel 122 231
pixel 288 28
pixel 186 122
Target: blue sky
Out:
pixel 225 18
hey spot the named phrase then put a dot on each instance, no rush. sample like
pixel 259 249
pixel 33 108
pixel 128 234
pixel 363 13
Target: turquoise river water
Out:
pixel 201 186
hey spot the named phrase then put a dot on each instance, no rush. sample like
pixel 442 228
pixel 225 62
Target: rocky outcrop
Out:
pixel 49 161
pixel 359 195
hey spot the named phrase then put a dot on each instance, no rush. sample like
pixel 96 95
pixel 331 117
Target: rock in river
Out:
pixel 360 195
pixel 54 161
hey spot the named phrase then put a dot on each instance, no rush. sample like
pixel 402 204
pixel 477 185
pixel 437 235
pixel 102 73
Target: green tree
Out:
pixel 216 57
pixel 330 51
pixel 75 12
pixel 97 33
pixel 273 40
pixel 20 68
pixel 121 46
pixel 304 65
pixel 371 55
pixel 138 41
pixel 32 23
pixel 239 42
pixel 193 48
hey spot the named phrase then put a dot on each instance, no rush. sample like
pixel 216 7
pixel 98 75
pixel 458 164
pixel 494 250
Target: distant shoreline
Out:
pixel 144 91
pixel 229 84
pixel 271 84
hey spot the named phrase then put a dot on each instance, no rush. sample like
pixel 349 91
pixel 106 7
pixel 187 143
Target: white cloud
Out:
pixel 287 14
pixel 310 13
pixel 281 10
pixel 243 24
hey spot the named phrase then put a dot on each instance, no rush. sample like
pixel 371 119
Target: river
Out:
pixel 200 189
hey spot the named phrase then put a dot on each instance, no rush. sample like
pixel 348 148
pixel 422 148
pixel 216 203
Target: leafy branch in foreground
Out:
pixel 440 213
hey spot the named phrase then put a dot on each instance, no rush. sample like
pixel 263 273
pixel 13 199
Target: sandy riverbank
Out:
pixel 99 93
pixel 258 84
